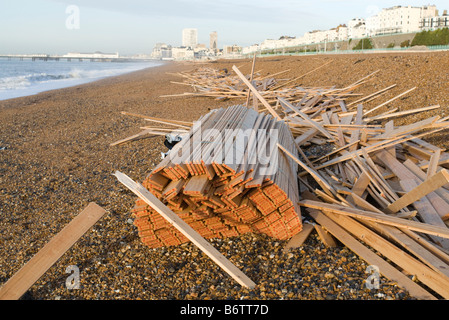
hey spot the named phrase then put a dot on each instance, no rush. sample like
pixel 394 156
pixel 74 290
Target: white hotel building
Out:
pixel 399 19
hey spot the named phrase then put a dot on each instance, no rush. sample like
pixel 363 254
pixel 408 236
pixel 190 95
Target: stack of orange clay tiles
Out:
pixel 225 178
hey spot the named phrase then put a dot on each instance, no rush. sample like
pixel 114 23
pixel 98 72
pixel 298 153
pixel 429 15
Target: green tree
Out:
pixel 405 44
pixel 431 38
pixel 364 44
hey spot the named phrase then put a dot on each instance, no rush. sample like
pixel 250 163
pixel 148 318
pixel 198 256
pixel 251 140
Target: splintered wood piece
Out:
pixel 186 230
pixel 298 239
pixel 256 93
pixel 387 102
pixel 371 258
pixel 132 138
pixel 376 217
pixel 436 181
pixel 361 184
pixel 251 80
pixel 433 279
pixel 322 182
pixel 307 119
pixel 325 236
pixel 23 279
pixel 408 128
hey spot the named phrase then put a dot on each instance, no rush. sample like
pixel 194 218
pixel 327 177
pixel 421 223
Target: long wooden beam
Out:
pixel 376 217
pixel 256 93
pixel 436 181
pixel 370 257
pixel 186 230
pixel 23 279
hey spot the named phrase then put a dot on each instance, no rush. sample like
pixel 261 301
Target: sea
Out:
pixel 25 77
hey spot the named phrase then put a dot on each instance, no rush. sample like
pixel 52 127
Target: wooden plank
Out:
pixel 408 182
pixel 426 211
pixel 371 258
pixel 256 93
pixel 306 118
pixel 400 113
pixel 183 123
pixel 433 279
pixel 423 189
pixel 433 164
pixel 131 138
pixel 186 230
pixel 23 279
pixel 298 239
pixel 387 102
pixel 412 242
pixel 439 200
pixel 379 146
pixel 322 182
pixel 325 236
pixel 302 76
pixel 371 95
pixel 361 184
pixel 408 128
pixel 251 80
pixel 306 136
pixel 376 217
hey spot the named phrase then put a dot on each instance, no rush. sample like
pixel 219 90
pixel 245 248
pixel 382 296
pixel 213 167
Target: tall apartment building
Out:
pixel 399 19
pixel 189 37
pixel 213 40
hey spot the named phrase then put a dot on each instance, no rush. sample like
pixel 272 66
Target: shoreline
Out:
pixel 47 86
pixel 58 159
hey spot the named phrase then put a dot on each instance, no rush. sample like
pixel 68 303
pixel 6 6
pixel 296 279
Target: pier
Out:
pixel 91 58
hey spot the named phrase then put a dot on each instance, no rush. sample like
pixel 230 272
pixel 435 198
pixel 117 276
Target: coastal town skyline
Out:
pixel 59 26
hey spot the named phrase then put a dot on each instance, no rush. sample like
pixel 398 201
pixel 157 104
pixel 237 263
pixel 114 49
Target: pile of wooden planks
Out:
pixel 223 84
pixel 382 190
pixel 378 188
pixel 225 178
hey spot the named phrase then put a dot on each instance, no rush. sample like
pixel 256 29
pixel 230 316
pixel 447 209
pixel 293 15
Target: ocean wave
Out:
pixel 19 79
pixel 24 81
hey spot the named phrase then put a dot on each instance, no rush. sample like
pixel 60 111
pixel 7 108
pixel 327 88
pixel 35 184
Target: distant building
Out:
pixel 342 31
pixel 232 50
pixel 183 53
pixel 213 38
pixel 437 22
pixel 399 19
pixel 189 37
pixel 251 49
pixel 356 28
pixel 161 51
pixel 95 55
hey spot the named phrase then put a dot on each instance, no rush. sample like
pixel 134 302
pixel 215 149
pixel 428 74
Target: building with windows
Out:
pixel 183 53
pixel 232 50
pixel 399 19
pixel 189 37
pixel 161 51
pixel 437 22
pixel 356 28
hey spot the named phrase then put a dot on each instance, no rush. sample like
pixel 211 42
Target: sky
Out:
pixel 135 26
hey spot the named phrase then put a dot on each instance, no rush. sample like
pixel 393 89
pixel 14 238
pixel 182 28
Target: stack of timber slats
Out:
pixel 222 196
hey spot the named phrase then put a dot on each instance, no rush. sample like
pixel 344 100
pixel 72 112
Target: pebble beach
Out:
pixel 56 158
